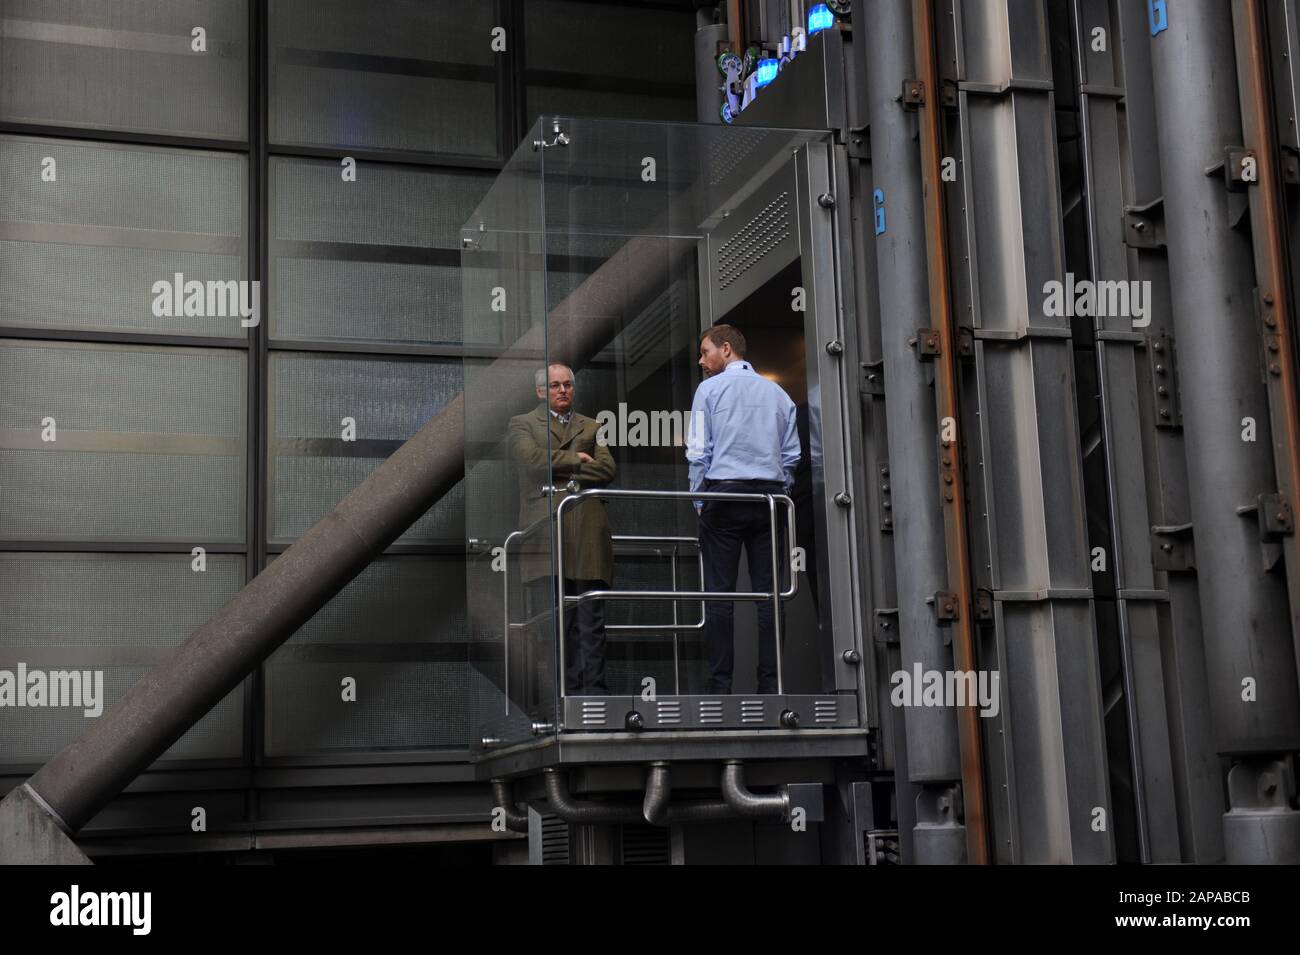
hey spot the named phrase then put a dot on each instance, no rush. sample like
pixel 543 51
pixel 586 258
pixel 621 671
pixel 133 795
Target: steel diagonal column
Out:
pixel 1253 698
pixel 933 754
pixel 958 605
pixel 1029 539
pixel 1100 86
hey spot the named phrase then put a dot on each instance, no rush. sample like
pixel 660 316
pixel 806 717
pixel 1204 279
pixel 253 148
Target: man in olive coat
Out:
pixel 554 445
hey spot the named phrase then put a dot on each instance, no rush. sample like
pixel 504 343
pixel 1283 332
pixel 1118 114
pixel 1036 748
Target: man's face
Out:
pixel 558 393
pixel 712 358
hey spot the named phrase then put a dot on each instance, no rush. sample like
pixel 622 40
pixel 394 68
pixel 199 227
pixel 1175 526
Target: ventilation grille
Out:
pixel 670 712
pixel 555 841
pixel 751 711
pixel 826 711
pixel 646 845
pixel 593 713
pixel 710 711
pixel 768 229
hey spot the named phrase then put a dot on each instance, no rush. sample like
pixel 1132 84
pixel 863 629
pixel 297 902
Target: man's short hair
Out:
pixel 540 376
pixel 728 334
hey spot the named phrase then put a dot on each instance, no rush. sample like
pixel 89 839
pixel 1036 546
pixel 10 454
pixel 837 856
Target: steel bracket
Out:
pixel 913 94
pixel 983 605
pixel 1144 226
pixel 1171 547
pixel 1238 160
pixel 887 625
pixel 873 378
pixel 1276 518
pixel 926 343
pixel 859 142
pixel 946 608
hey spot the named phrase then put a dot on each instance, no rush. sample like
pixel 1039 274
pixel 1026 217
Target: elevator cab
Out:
pixel 609 247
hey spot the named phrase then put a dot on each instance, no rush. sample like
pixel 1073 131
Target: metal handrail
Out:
pixel 776 595
pixel 675 628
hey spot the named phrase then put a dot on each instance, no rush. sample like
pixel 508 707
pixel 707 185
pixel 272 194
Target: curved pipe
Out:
pixel 750 805
pixel 503 798
pixel 658 790
pixel 573 810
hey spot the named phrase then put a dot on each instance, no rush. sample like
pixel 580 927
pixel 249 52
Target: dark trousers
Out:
pixel 584 634
pixel 726 527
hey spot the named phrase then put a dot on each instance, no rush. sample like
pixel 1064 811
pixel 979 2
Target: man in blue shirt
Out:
pixel 743 437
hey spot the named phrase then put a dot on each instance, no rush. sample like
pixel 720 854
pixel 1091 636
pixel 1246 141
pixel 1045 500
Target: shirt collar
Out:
pixel 739 365
pixel 563 419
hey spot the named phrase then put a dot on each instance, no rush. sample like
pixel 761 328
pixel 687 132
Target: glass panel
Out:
pixel 121 443
pixel 86 250
pixel 400 640
pixel 115 615
pixel 126 64
pixel 373 260
pixel 333 421
pixel 349 74
pixel 629 209
pixel 508 577
pixel 591 246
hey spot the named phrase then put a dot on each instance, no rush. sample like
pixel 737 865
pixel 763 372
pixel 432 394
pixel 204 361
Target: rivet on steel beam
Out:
pixel 826 200
pixel 834 348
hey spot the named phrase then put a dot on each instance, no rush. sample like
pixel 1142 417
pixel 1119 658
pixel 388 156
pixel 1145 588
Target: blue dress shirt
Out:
pixel 742 428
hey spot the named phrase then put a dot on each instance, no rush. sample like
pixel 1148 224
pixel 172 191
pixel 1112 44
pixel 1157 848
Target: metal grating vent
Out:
pixel 769 227
pixel 555 841
pixel 710 711
pixel 646 845
pixel 826 711
pixel 593 713
pixel 751 711
pixel 669 711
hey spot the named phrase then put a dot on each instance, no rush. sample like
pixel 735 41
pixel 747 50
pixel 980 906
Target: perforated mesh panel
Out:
pixel 313 468
pixel 366 301
pixel 149 443
pixel 386 205
pixel 399 631
pixel 110 602
pixel 34 734
pixel 163 190
pixel 53 285
pixel 408 705
pixel 117 613
pixel 342 75
pixel 126 64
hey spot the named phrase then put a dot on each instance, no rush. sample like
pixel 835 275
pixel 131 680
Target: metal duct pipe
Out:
pixel 956 545
pixel 503 798
pixel 583 812
pixel 658 810
pixel 173 696
pixel 751 805
pixel 933 755
pixel 1247 634
pixel 1275 294
pixel 658 790
pixel 1218 367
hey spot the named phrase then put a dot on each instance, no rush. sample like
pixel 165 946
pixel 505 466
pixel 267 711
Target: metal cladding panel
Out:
pixel 756 240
